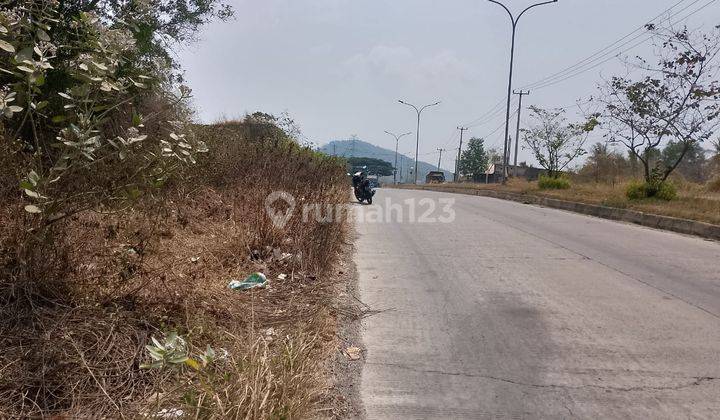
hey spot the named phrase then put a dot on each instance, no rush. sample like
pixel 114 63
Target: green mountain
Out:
pixel 359 148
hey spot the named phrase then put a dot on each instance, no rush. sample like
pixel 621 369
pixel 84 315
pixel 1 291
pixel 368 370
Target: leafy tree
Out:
pixel 157 26
pixel 474 160
pixel 374 166
pixel 692 166
pixel 555 143
pixel 88 116
pixel 678 99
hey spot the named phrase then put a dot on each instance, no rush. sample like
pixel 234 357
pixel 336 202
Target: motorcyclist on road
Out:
pixel 357 178
pixel 361 185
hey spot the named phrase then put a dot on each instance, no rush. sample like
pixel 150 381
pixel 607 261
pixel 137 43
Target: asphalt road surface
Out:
pixel 516 311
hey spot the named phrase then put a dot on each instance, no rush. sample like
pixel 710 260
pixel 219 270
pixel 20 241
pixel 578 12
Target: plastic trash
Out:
pixel 254 280
pixel 353 353
pixel 170 413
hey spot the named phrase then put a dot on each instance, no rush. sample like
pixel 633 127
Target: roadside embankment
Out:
pixel 127 313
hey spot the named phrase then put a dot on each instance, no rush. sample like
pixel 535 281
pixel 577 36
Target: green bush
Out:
pixel 95 125
pixel 666 191
pixel 549 183
pixel 637 190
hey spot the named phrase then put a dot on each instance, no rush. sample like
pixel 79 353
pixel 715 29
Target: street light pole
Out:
pixel 397 141
pixel 417 142
pixel 514 20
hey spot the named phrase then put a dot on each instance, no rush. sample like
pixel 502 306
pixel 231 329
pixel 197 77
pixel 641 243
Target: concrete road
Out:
pixel 515 311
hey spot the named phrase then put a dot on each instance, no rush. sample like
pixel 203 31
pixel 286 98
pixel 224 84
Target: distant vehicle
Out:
pixel 435 177
pixel 374 183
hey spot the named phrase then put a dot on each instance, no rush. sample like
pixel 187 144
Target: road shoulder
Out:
pixel 345 373
pixel 673 224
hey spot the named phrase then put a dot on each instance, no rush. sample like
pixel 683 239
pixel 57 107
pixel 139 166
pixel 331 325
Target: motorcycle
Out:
pixel 362 189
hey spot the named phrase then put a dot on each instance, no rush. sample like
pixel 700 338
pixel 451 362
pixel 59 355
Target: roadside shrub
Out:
pixel 637 190
pixel 116 225
pixel 95 126
pixel 666 191
pixel 97 286
pixel 550 183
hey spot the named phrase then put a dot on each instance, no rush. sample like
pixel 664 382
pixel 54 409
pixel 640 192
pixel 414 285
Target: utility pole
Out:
pixel 417 142
pixel 514 21
pixel 520 94
pixel 457 162
pixel 440 159
pixel 397 141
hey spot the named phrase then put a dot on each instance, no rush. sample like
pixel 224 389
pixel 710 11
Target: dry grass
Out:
pixel 713 185
pixel 695 202
pixel 77 306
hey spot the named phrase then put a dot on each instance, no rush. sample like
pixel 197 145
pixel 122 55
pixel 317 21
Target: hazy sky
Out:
pixel 339 66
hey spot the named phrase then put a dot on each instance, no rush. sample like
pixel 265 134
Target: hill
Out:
pixel 359 148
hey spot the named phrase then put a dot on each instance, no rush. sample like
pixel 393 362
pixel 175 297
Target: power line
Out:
pixel 596 60
pixel 500 126
pixel 490 117
pixel 492 110
pixel 591 60
pixel 609 47
pixel 453 135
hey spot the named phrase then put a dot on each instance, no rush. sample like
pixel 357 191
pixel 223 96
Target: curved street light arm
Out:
pixel 428 106
pixel 512 18
pixel 409 104
pixel 534 5
pixel 514 22
pixel 417 132
pixel 398 137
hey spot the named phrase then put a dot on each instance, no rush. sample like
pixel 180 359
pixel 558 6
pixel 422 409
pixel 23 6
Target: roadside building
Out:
pixel 495 172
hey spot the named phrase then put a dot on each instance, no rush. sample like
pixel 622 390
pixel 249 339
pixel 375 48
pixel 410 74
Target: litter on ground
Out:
pixel 254 280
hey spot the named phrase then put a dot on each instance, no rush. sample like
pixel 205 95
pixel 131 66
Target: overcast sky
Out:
pixel 339 66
